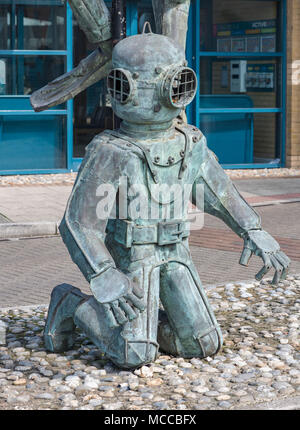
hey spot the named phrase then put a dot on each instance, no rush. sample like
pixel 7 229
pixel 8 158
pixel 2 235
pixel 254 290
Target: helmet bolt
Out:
pixel 171 160
pixel 195 139
pixel 135 75
pixel 156 159
pixel 182 153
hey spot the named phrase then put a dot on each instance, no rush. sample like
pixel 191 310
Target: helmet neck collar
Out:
pixel 147 131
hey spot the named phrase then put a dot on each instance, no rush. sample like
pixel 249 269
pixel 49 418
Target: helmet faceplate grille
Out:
pixel 119 86
pixel 183 87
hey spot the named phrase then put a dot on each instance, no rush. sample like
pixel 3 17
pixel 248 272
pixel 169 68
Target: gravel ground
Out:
pixel 262 173
pixel 54 179
pixel 69 178
pixel 259 362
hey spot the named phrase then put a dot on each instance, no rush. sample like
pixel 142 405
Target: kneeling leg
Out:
pixel 128 346
pixel 188 327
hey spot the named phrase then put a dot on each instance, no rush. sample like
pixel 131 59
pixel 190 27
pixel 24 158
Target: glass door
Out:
pixel 92 108
pixel 238 50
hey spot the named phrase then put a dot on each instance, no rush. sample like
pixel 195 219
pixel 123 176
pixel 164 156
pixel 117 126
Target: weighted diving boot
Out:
pixel 59 332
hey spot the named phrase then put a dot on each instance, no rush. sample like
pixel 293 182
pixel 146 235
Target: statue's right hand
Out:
pixel 120 297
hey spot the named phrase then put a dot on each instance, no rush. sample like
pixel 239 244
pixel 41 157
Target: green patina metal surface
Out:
pixel 134 261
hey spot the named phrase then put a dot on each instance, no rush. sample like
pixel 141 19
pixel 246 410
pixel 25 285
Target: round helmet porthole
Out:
pixel 182 87
pixel 119 85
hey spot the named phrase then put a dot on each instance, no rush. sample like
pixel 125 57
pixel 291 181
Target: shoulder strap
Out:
pixel 186 153
pixel 144 150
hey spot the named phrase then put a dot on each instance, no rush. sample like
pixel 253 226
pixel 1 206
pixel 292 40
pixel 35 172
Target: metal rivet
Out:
pixel 171 160
pixel 182 153
pixel 135 75
pixel 195 139
pixel 156 159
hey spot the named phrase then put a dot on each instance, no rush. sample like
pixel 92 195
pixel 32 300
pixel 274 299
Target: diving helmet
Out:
pixel 150 81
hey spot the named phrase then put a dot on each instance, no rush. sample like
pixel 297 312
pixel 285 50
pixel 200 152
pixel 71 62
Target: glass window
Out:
pixel 240 68
pixel 41 25
pixel 242 138
pixel 239 26
pixel 23 74
pixel 258 79
pixel 266 138
pixel 5 26
pixel 31 143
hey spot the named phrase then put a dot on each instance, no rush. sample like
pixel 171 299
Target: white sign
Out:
pixel 296 72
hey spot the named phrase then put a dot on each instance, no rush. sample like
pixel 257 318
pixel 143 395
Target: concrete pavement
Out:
pixel 46 203
pixel 269 186
pixel 34 203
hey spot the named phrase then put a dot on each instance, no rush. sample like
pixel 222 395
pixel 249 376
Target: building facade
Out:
pixel 246 54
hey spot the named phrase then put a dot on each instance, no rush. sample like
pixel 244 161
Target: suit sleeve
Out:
pixel 82 228
pixel 220 197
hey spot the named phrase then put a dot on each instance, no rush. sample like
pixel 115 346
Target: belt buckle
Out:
pixel 123 232
pixel 165 232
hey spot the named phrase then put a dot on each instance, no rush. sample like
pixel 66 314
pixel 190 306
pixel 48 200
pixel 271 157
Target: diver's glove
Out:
pixel 262 244
pixel 120 297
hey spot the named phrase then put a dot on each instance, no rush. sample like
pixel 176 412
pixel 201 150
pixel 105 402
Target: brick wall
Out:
pixel 293 84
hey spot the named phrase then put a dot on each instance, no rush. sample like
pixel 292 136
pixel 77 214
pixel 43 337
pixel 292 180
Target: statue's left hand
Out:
pixel 262 244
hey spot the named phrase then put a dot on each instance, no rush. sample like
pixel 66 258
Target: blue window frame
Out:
pixel 215 112
pixel 37 32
